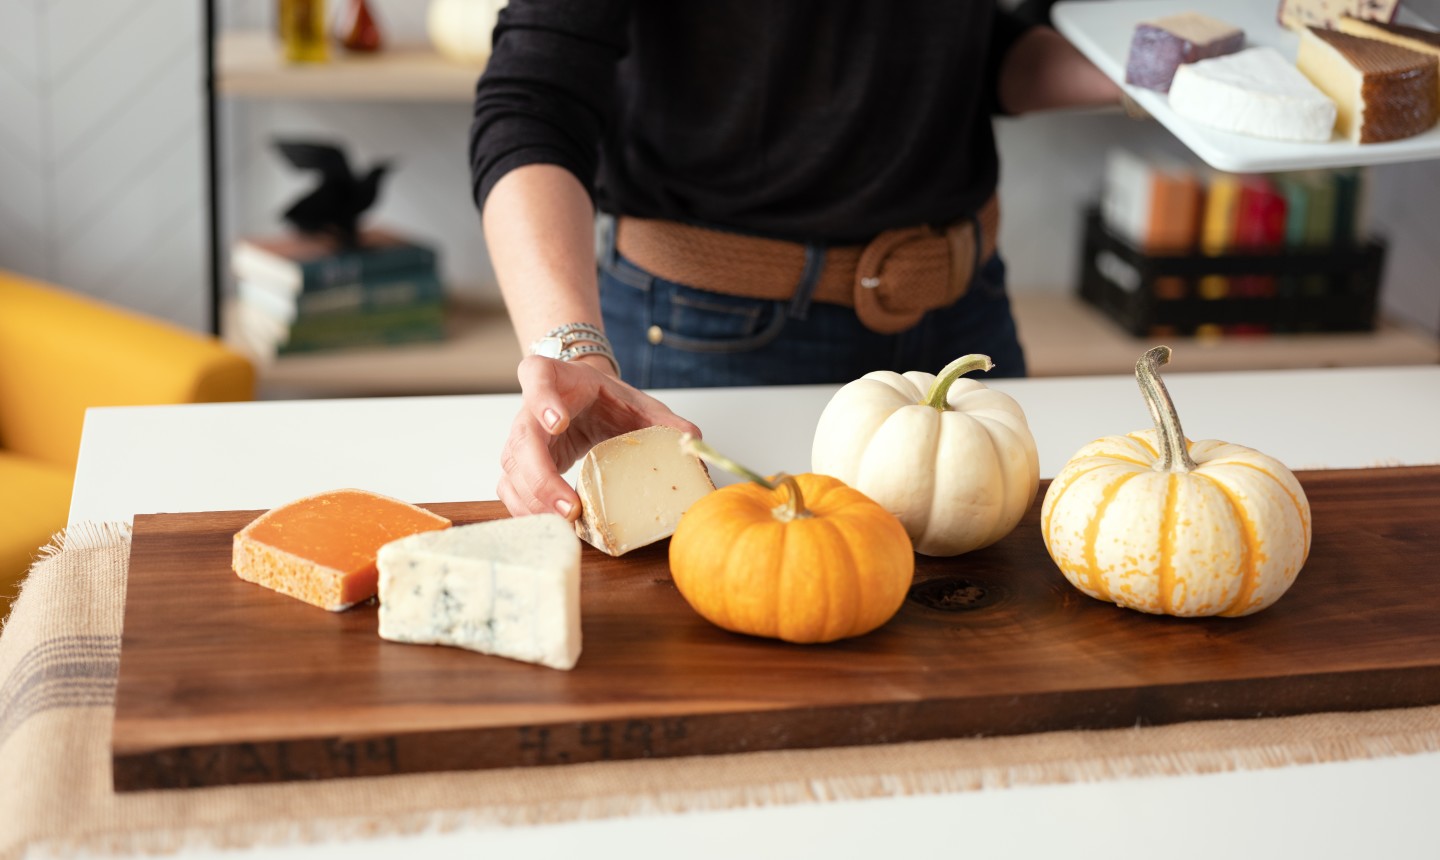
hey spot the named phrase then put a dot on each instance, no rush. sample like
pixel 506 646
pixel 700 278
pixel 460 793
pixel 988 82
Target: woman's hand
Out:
pixel 568 408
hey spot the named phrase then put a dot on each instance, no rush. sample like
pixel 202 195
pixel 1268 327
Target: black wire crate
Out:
pixel 1285 290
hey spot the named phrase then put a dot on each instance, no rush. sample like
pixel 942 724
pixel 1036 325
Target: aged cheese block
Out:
pixel 1255 92
pixel 505 587
pixel 633 489
pixel 1299 14
pixel 1414 38
pixel 1381 91
pixel 1159 47
pixel 321 549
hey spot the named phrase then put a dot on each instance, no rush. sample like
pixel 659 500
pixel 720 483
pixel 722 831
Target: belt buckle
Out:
pixel 872 286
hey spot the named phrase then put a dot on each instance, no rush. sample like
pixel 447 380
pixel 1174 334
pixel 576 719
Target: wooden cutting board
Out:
pixel 225 682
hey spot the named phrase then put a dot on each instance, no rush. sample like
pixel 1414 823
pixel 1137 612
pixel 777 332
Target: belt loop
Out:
pixel 605 226
pixel 809 277
pixel 976 263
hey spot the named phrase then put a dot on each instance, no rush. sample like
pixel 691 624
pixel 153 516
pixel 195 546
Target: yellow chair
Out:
pixel 61 353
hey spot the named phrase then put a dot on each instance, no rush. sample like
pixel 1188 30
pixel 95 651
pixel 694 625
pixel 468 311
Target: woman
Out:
pixel 794 192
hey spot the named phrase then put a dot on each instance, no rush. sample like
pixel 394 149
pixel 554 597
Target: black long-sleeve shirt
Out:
pixel 818 120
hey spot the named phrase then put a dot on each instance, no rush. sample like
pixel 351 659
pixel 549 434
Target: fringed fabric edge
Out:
pixel 787 792
pixel 84 535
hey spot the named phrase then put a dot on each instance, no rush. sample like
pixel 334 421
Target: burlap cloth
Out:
pixel 59 655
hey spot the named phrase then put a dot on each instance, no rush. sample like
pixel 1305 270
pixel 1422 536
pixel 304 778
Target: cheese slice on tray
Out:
pixel 1414 38
pixel 1381 91
pixel 1159 47
pixel 510 588
pixel 321 549
pixel 1255 92
pixel 633 489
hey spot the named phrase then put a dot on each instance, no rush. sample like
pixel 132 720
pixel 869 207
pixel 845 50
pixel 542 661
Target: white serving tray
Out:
pixel 1102 31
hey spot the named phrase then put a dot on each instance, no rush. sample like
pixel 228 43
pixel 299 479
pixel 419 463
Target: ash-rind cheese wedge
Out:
pixel 1414 38
pixel 510 588
pixel 1159 47
pixel 1381 91
pixel 1299 14
pixel 321 549
pixel 633 489
pixel 1255 92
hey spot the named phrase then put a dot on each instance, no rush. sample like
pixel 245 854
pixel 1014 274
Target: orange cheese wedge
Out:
pixel 321 549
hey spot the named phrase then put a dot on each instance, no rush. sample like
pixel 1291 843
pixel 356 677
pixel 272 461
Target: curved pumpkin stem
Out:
pixel 938 395
pixel 792 501
pixel 1174 453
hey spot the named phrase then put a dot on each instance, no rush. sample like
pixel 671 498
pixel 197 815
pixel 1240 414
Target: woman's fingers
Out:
pixel 532 482
pixel 555 391
pixel 567 407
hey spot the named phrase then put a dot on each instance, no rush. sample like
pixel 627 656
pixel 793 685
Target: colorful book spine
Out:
pixel 1218 229
pixel 299 263
pixel 390 290
pixel 411 324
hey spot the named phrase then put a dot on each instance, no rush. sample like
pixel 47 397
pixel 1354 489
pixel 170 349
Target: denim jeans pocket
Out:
pixel 700 321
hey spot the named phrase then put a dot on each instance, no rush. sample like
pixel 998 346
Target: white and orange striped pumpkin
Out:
pixel 1154 522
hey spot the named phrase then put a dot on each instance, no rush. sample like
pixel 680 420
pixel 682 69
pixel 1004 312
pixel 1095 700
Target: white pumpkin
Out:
pixel 952 459
pixel 461 29
pixel 1156 523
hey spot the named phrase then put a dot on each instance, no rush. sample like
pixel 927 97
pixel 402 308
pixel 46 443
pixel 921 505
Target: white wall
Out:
pixel 101 151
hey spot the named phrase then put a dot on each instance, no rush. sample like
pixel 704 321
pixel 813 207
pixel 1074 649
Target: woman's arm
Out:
pixel 539 226
pixel 540 231
pixel 1043 71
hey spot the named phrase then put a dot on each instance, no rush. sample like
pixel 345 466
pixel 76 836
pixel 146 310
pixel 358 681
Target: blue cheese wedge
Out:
pixel 1299 14
pixel 510 588
pixel 633 489
pixel 1255 92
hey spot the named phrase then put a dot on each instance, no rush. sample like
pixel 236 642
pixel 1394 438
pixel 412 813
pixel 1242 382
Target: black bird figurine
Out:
pixel 334 205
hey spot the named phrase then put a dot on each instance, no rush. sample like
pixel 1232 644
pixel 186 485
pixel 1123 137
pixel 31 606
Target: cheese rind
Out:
pixel 321 549
pixel 509 588
pixel 1413 38
pixel 1381 91
pixel 1255 92
pixel 1158 48
pixel 633 489
pixel 1299 14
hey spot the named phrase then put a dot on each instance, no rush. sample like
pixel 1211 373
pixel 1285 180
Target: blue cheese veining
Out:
pixel 509 587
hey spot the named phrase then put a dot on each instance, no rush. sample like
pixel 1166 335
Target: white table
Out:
pixel 439 449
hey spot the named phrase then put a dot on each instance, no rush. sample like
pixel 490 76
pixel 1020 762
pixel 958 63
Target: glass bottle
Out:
pixel 302 31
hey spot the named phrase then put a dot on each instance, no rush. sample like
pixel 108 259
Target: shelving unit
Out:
pixel 480 353
pixel 249 65
pixel 478 356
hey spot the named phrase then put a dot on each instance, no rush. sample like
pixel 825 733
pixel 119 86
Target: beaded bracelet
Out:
pixel 572 340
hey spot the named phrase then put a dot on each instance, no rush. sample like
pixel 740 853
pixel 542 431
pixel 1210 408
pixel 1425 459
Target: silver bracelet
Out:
pixel 572 340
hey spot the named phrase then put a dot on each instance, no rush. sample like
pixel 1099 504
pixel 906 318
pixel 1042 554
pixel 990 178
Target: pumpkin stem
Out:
pixel 939 392
pixel 792 501
pixel 1174 453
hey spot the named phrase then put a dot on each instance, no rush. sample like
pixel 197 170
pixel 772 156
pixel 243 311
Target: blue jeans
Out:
pixel 709 339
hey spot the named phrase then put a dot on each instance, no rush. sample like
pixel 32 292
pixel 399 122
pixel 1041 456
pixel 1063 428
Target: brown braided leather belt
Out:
pixel 890 282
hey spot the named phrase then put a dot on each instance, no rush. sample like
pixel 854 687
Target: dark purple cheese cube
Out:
pixel 1160 47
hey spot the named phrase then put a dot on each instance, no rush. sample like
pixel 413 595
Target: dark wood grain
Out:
pixel 225 682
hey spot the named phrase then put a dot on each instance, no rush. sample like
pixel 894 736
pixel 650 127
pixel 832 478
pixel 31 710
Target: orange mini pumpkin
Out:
pixel 802 558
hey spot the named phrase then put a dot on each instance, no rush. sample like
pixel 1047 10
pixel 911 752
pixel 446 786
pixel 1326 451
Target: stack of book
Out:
pixel 1163 207
pixel 298 293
